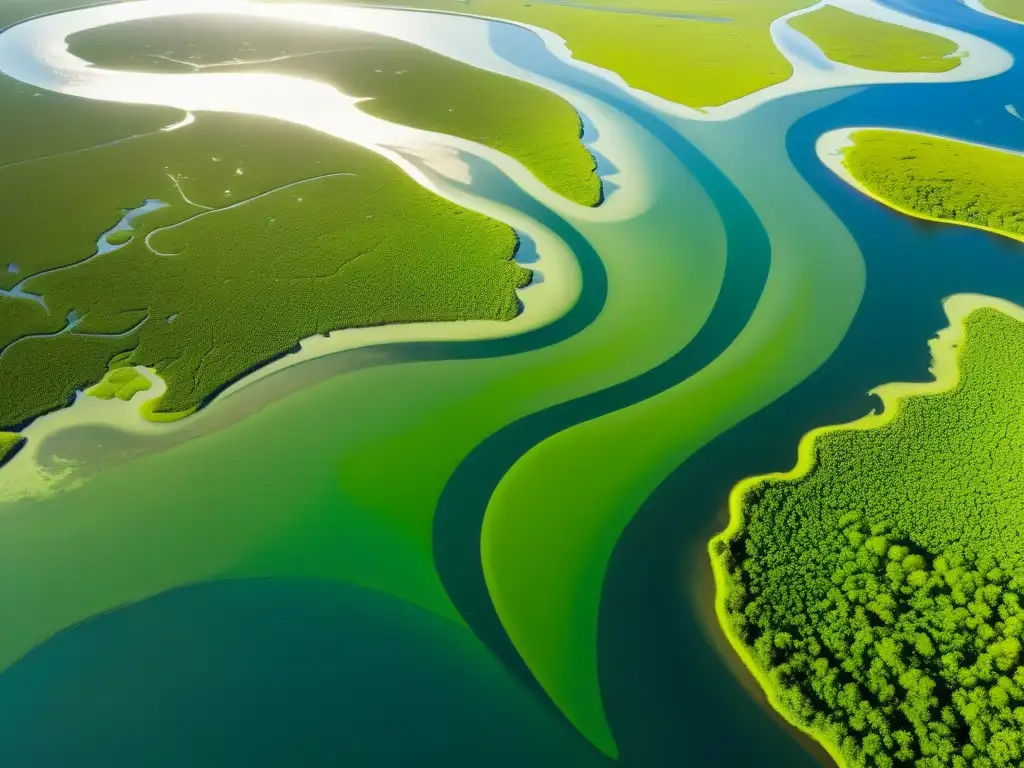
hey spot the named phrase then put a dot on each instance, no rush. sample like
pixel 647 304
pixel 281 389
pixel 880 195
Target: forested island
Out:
pixel 940 179
pixel 876 589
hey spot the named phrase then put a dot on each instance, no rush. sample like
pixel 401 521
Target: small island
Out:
pixel 10 444
pixel 120 237
pixel 266 233
pixel 1011 9
pixel 876 589
pixel 932 178
pixel 122 382
pixel 859 41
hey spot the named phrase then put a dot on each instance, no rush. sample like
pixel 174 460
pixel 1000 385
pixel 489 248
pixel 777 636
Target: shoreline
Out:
pixel 547 299
pixel 946 372
pixel 830 146
pixel 543 302
pixel 704 594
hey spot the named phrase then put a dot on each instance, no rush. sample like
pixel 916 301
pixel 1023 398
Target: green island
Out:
pixel 255 248
pixel 406 84
pixel 1011 9
pixel 940 179
pixel 876 589
pixel 120 237
pixel 10 443
pixel 849 38
pixel 122 381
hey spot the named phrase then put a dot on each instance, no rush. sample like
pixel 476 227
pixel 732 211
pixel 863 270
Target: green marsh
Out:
pixel 849 38
pixel 270 233
pixel 404 83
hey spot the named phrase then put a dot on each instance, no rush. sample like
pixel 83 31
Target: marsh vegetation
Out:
pixel 402 83
pixel 357 244
pixel 849 38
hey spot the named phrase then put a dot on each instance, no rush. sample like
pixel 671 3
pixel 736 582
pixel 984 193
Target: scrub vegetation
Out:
pixel 940 179
pixel 701 53
pixel 406 84
pixel 877 589
pixel 849 38
pixel 358 243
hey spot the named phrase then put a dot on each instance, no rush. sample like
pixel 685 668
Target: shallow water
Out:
pixel 735 317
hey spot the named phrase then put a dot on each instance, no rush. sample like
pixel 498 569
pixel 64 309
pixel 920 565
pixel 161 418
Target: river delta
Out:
pixel 390 369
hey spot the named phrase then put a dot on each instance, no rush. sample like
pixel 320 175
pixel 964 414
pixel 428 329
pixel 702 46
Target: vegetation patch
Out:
pixel 876 590
pixel 940 179
pixel 314 235
pixel 849 38
pixel 120 382
pixel 701 53
pixel 404 83
pixel 10 444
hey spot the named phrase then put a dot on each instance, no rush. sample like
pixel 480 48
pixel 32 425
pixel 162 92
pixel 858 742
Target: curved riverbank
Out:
pixel 834 147
pixel 946 349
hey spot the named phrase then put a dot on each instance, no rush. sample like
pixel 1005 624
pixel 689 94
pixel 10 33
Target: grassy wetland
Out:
pixel 200 293
pixel 403 83
pixel 332 232
pixel 849 38
pixel 876 589
pixel 940 179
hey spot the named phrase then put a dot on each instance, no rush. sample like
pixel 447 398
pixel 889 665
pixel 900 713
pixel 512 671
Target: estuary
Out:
pixel 495 532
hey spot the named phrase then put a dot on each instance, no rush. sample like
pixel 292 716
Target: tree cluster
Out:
pixel 881 593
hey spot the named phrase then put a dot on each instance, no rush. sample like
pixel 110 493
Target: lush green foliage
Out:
pixel 407 84
pixel 880 592
pixel 850 38
pixel 121 381
pixel 941 178
pixel 1012 9
pixel 10 442
pixel 247 282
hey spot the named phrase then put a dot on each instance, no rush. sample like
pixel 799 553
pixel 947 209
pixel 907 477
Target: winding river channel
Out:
pixel 492 537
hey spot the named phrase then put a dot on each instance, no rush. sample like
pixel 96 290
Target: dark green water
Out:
pixel 273 673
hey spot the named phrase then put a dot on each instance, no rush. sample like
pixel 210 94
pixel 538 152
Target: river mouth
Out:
pixel 303 505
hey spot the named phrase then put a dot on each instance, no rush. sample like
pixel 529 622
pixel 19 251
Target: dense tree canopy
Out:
pixel 940 178
pixel 880 593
